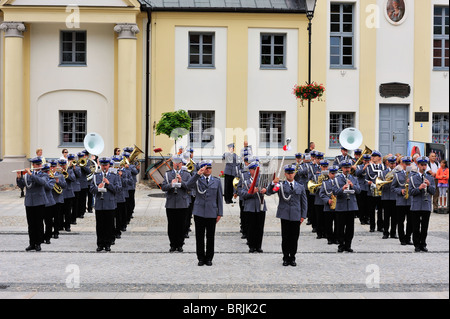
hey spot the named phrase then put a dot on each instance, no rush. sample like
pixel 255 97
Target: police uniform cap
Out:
pixel 289 168
pixel 423 159
pixel 45 167
pixel 406 159
pixel 324 163
pixel 376 153
pixel 253 165
pixel 36 160
pixel 392 159
pixel 71 156
pixel 104 160
pixel 346 164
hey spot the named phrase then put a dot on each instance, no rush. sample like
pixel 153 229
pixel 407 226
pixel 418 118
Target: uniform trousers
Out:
pixel 375 203
pixel 420 221
pixel 75 207
pixel 320 221
pixel 35 215
pixel 57 218
pixel 228 191
pixel 311 214
pixel 67 212
pixel 130 204
pixel 330 231
pixel 205 226
pixel 290 232
pixel 82 202
pixel 120 217
pixel 363 207
pixel 187 223
pixel 404 233
pixel 389 218
pixel 176 220
pixel 104 227
pixel 244 220
pixel 256 222
pixel 49 213
pixel 345 228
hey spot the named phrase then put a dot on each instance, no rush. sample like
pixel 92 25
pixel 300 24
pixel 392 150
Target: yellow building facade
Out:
pixel 231 66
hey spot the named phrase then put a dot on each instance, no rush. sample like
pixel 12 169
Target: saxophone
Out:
pixel 333 202
pixel 406 196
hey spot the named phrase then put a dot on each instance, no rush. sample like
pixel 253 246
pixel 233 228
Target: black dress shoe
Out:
pixel 180 249
pixel 201 263
pixel 56 236
pixel 372 230
pixel 340 250
pixel 172 249
pixel 394 236
pixel 99 248
pixel 349 250
pixel 252 250
pixel 417 249
pixel 293 263
pixel 38 247
pixel 67 229
pixel 47 241
pixel 385 236
pixel 409 243
pixel 107 248
pixel 208 263
pixel 259 250
pixel 330 242
pixel 31 247
pixel 424 249
pixel 285 263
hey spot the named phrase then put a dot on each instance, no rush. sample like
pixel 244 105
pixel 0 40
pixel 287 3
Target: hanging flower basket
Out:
pixel 308 91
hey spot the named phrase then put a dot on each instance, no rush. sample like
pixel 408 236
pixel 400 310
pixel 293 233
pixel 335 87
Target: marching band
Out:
pixel 329 194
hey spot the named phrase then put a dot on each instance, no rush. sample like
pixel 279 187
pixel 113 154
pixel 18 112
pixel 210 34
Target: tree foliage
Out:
pixel 174 124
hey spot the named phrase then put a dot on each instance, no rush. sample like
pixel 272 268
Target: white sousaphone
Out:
pixel 351 138
pixel 94 144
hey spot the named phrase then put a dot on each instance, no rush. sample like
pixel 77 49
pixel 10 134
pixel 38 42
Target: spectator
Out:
pixel 442 177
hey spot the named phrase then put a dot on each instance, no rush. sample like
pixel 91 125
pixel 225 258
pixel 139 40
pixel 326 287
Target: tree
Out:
pixel 174 124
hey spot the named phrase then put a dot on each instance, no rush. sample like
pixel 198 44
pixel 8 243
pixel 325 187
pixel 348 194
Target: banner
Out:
pixel 416 147
pixel 438 149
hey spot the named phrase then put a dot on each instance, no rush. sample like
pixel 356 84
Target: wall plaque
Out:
pixel 395 90
pixel 421 117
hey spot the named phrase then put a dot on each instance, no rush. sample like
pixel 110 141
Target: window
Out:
pixel 271 129
pixel 440 128
pixel 338 123
pixel 341 36
pixel 273 51
pixel 72 128
pixel 440 38
pixel 202 129
pixel 73 47
pixel 201 49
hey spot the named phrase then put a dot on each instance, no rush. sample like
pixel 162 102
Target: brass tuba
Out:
pixel 190 166
pixel 133 156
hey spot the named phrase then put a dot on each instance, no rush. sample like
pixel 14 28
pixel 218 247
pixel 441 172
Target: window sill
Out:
pixel 201 67
pixel 72 65
pixel 273 68
pixel 440 69
pixel 342 68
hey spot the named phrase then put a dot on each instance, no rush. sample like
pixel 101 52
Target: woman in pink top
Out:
pixel 442 177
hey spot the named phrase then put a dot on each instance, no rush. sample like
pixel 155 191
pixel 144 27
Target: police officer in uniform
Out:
pixel 373 171
pixel 363 203
pixel 343 157
pixel 254 207
pixel 388 202
pixel 58 197
pixel 422 190
pixel 177 202
pixel 326 194
pixel 208 209
pixel 403 205
pixel 76 187
pixel 105 186
pixel 345 189
pixel 231 171
pixel 68 194
pixel 292 210
pixel 35 200
pixel 318 202
pixel 84 185
pixel 50 204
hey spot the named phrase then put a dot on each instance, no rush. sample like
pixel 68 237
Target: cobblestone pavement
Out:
pixel 140 265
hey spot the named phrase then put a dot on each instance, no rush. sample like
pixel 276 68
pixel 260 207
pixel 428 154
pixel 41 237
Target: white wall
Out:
pixel 54 88
pixel 439 93
pixel 343 84
pixel 395 58
pixel 202 89
pixel 271 90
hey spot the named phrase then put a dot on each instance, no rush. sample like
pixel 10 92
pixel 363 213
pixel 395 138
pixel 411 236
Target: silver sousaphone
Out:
pixel 94 144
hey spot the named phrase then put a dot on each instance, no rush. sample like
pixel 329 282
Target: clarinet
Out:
pixel 103 176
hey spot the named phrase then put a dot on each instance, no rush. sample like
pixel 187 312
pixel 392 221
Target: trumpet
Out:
pixel 24 170
pixel 190 166
pixel 82 162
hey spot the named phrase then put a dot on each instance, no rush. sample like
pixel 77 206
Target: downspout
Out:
pixel 147 91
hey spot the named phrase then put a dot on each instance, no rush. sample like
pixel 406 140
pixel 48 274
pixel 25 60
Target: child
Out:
pixel 442 177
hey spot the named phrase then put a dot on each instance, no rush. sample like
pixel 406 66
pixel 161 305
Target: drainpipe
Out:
pixel 147 89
